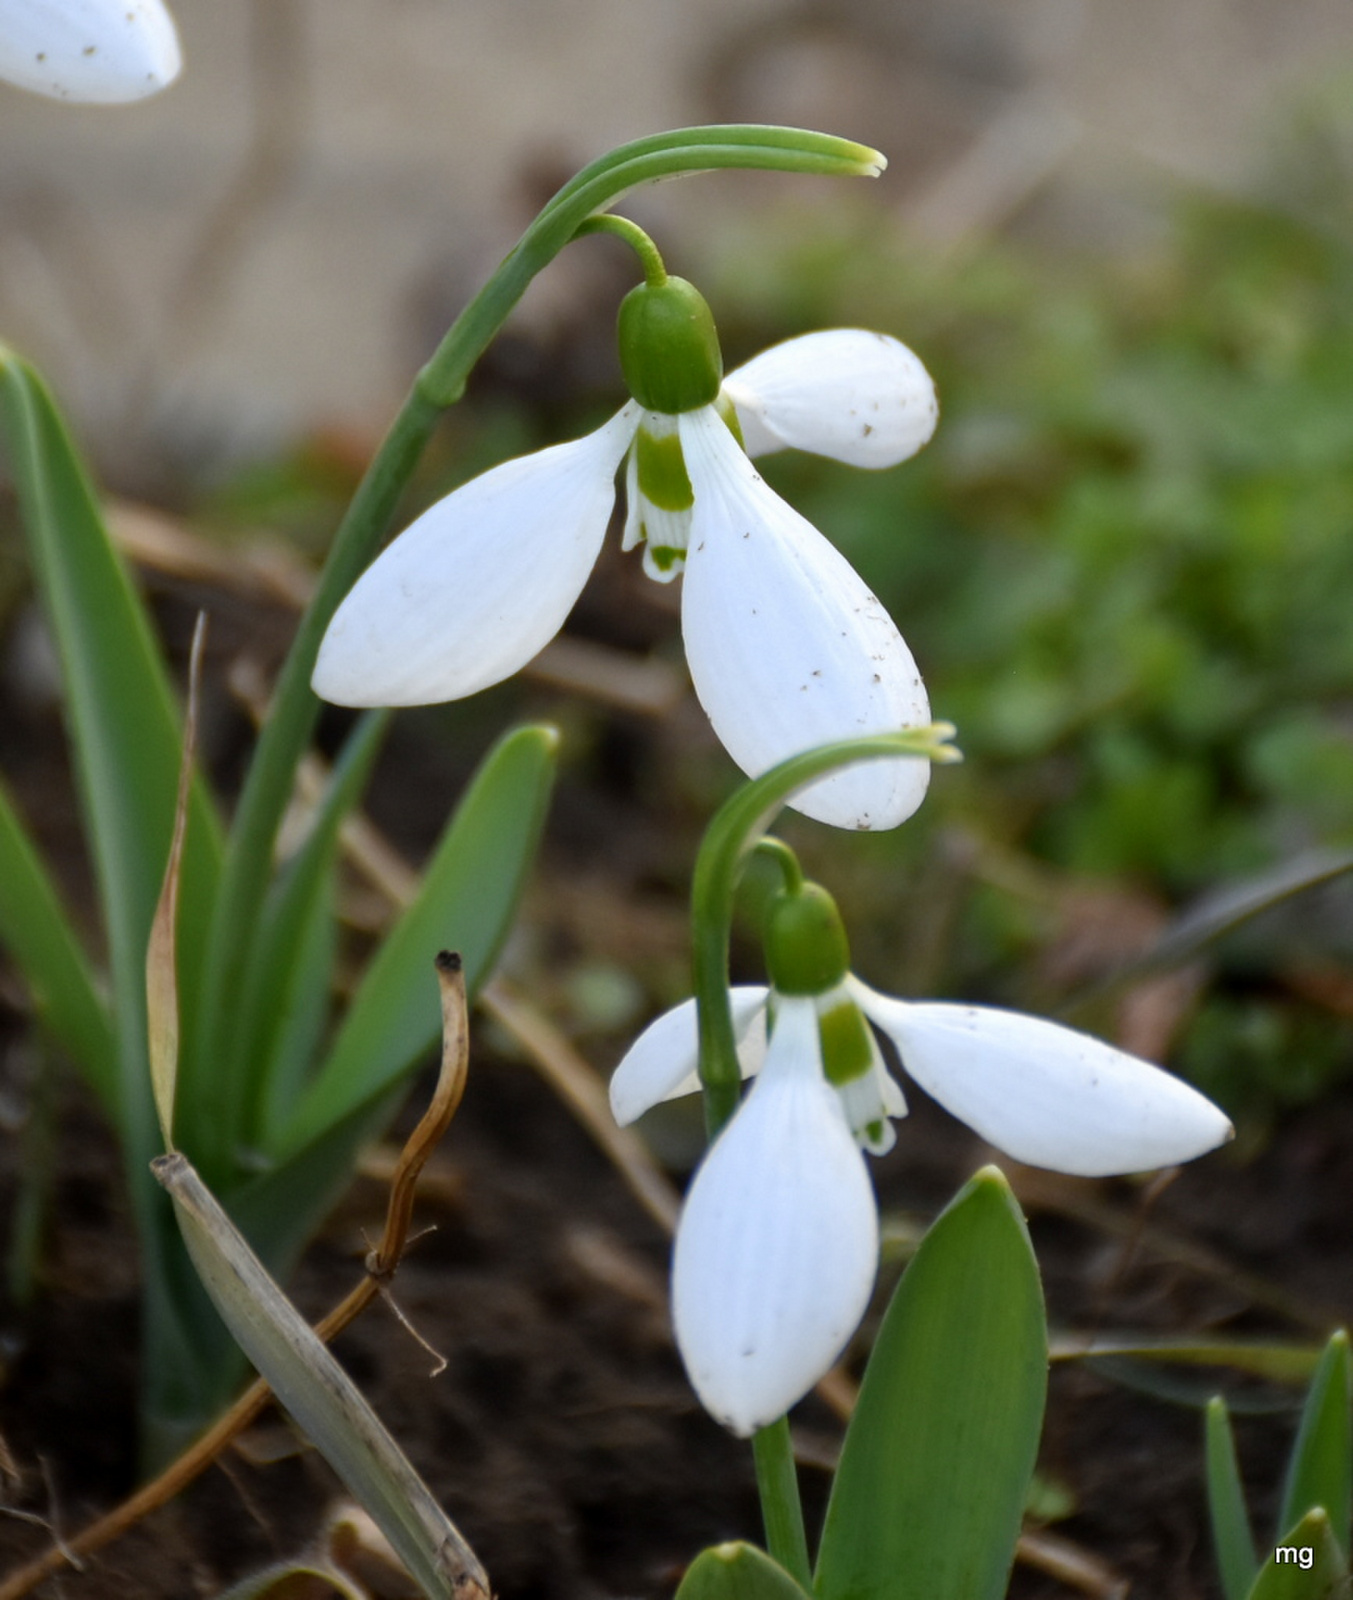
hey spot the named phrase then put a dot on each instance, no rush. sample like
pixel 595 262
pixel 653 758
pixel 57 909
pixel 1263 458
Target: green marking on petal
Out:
pixel 846 1050
pixel 664 556
pixel 663 480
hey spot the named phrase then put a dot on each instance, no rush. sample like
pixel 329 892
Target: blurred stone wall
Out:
pixel 275 243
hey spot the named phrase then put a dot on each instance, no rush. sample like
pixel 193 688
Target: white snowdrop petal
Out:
pixel 1049 1095
pixel 777 1246
pixel 634 505
pixel 859 397
pixel 480 583
pixel 787 648
pixel 661 1063
pixel 102 52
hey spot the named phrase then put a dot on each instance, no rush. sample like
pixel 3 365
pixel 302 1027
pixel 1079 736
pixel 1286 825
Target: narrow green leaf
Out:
pixel 280 1209
pixel 1306 1565
pixel 1319 1472
pixel 1275 1359
pixel 1237 1563
pixel 466 903
pixel 737 1572
pixel 927 1500
pixel 287 990
pixel 1223 910
pixel 319 1394
pixel 121 715
pixel 36 932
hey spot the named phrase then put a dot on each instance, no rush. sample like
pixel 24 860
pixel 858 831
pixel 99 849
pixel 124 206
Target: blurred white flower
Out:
pixel 787 647
pixel 776 1248
pixel 102 52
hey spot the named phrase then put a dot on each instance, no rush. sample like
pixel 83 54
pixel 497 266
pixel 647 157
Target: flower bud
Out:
pixel 669 349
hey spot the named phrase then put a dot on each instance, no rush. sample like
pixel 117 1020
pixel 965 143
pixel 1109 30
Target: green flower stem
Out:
pixel 655 273
pixel 778 851
pixel 777 1482
pixel 738 827
pixel 214 1081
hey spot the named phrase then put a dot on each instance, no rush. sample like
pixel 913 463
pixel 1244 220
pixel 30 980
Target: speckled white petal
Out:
pixel 1047 1094
pixel 480 583
pixel 102 52
pixel 858 397
pixel 661 1063
pixel 777 1246
pixel 787 648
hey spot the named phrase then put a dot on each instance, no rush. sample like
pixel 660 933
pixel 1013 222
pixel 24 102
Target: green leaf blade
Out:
pixel 123 723
pixel 468 896
pixel 1320 1471
pixel 287 988
pixel 1324 1575
pixel 737 1571
pixel 927 1500
pixel 35 930
pixel 1237 1563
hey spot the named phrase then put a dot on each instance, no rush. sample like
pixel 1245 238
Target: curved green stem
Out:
pixel 211 1074
pixel 778 851
pixel 737 828
pixel 655 273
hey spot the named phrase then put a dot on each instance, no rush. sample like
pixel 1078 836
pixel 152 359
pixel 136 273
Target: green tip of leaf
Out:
pixel 737 1571
pixel 872 162
pixel 990 1177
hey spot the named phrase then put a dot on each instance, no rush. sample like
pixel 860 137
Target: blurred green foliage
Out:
pixel 1127 557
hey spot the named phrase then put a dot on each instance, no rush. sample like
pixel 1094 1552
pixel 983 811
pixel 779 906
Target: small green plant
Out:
pixel 1309 1557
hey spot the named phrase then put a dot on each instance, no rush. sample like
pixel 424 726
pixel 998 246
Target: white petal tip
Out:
pixel 857 396
pixel 1048 1095
pixel 96 52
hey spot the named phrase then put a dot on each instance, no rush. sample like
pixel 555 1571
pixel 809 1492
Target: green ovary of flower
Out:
pixel 807 951
pixel 669 349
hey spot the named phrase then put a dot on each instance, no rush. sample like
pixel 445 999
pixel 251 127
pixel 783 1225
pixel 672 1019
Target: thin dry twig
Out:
pixel 380 1268
pixel 1071 1564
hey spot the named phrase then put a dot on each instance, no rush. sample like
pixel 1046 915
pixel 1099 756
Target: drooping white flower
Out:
pixel 778 1243
pixel 788 649
pixel 102 52
pixel 744 1264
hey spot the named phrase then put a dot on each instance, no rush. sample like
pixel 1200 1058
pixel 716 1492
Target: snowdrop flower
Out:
pixel 777 1244
pixel 99 51
pixel 787 647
